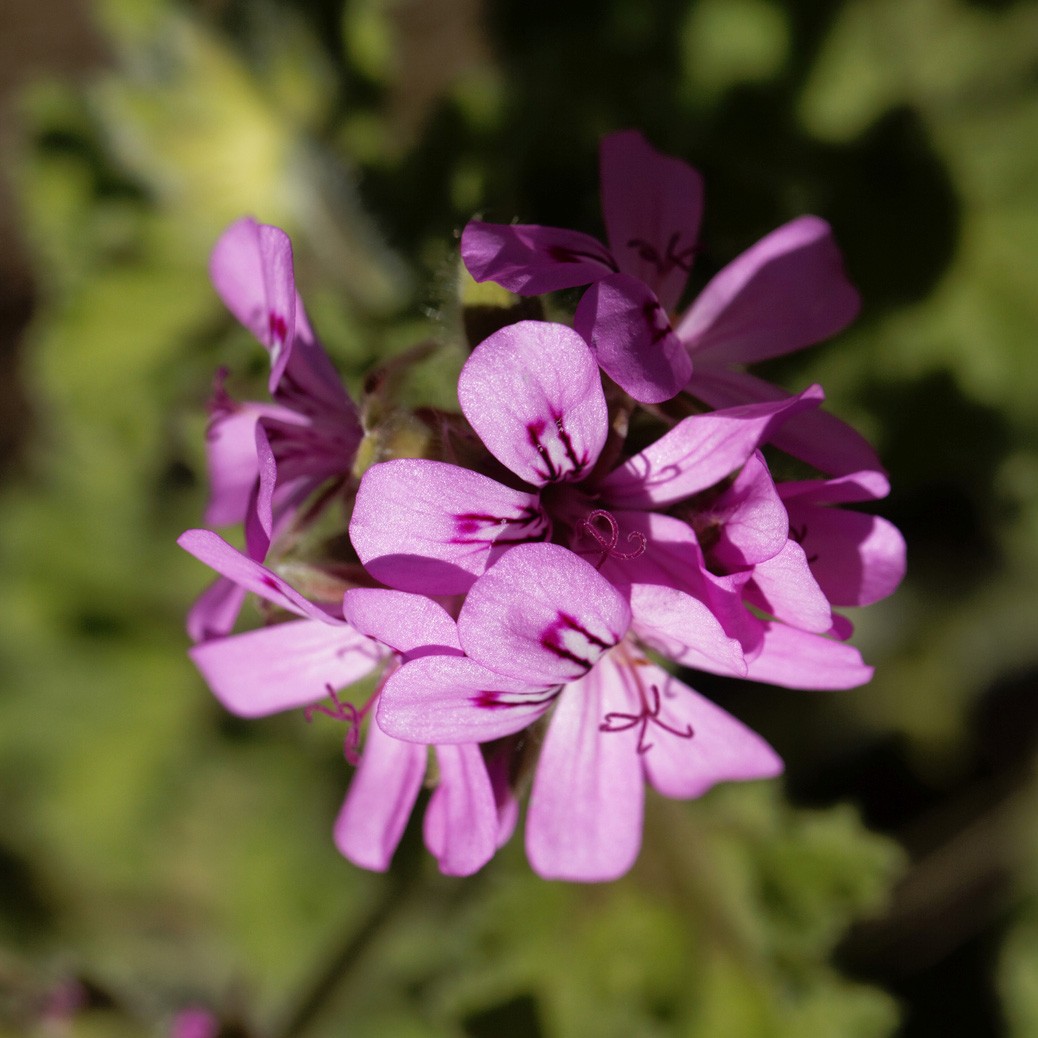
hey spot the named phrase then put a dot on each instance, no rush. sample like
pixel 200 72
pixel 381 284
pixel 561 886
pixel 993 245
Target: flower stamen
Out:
pixel 617 721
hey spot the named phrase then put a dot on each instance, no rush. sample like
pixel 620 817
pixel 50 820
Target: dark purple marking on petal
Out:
pixel 470 527
pixel 553 640
pixel 566 254
pixel 277 326
pixel 488 699
pixel 268 581
pixel 656 319
pixel 670 259
pixel 535 431
pixel 650 714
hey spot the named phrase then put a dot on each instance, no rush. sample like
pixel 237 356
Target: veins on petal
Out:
pixel 616 721
pixel 568 639
pixel 557 451
pixel 670 259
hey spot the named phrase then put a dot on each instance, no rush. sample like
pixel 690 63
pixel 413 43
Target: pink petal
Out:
pixel 433 528
pixel 691 744
pixel 381 797
pixel 277 668
pixel 232 463
pixel 817 437
pixel 631 337
pixel 748 518
pixel 214 551
pixel 699 452
pixel 216 610
pixel 684 629
pixel 785 587
pixel 530 259
pixel 533 394
pixel 251 269
pixel 857 559
pixel 786 292
pixel 452 699
pixel 851 488
pixel 798 659
pixel 460 824
pixel 541 614
pixel 652 204
pixel 405 622
pixel 585 817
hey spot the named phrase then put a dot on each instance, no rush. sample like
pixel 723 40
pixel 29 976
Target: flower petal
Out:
pixel 798 659
pixel 719 748
pixel 748 519
pixel 381 797
pixel 277 668
pixel 652 204
pixel 585 817
pixel 817 437
pixel 533 394
pixel 452 699
pixel 529 259
pixel 785 587
pixel 542 614
pixel 405 622
pixel 786 292
pixel 460 824
pixel 216 610
pixel 631 337
pixel 429 527
pixel 214 551
pixel 857 558
pixel 684 629
pixel 699 452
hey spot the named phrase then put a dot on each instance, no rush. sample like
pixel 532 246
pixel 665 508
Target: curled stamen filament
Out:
pixel 342 711
pixel 608 542
pixel 620 722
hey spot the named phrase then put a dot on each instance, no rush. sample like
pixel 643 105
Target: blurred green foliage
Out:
pixel 161 854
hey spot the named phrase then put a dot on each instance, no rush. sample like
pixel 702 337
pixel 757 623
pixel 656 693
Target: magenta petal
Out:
pixel 691 744
pixel 585 817
pixel 216 610
pixel 277 668
pixel 452 699
pixel 749 518
pixel 798 659
pixel 684 629
pixel 251 269
pixel 786 588
pixel 460 824
pixel 542 614
pixel 631 337
pixel 533 394
pixel 857 559
pixel 652 204
pixel 699 452
pixel 214 551
pixel 381 797
pixel 530 259
pixel 405 622
pixel 817 437
pixel 786 292
pixel 231 457
pixel 433 528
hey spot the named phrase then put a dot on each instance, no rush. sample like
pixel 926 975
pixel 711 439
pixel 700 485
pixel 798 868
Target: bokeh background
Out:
pixel 156 854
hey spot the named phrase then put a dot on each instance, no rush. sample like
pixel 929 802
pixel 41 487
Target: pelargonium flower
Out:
pixel 533 394
pixel 265 459
pixel 543 630
pixel 301 662
pixel 786 292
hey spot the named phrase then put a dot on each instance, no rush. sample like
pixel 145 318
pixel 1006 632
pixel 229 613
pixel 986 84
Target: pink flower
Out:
pixel 784 293
pixel 541 629
pixel 194 1022
pixel 301 662
pixel 265 459
pixel 532 392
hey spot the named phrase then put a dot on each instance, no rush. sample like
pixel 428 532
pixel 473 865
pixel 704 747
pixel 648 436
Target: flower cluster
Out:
pixel 524 595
